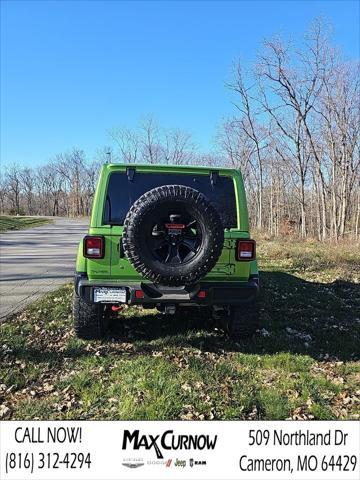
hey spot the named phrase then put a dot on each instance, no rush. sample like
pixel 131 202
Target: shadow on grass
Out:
pixel 301 317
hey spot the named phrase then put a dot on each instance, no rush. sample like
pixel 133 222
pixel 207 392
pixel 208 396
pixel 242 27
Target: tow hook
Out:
pixel 116 308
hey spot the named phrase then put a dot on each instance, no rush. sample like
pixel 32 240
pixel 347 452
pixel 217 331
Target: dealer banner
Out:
pixel 179 450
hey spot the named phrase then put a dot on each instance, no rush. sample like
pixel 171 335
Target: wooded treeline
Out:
pixel 62 187
pixel 294 135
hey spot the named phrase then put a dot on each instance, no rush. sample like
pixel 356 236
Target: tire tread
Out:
pixel 148 201
pixel 89 322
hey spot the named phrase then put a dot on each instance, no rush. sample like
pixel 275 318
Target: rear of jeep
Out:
pixel 167 237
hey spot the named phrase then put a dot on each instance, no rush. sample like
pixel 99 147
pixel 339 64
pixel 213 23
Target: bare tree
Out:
pixel 150 141
pixel 128 143
pixel 237 146
pixel 27 180
pixel 13 182
pixel 71 166
pixel 256 133
pixel 177 147
pixel 299 107
pixel 3 193
pixel 288 94
pixel 339 112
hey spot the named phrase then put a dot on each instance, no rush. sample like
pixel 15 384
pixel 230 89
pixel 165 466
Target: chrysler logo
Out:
pixel 132 465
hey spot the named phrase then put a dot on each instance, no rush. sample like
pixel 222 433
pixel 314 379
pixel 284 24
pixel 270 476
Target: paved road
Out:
pixel 36 261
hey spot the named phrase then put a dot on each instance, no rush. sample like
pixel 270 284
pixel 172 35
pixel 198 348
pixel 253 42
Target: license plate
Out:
pixel 109 295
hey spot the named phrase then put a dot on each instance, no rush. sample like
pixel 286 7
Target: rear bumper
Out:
pixel 224 293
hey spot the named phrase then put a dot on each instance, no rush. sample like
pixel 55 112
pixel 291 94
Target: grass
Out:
pixel 8 222
pixel 304 364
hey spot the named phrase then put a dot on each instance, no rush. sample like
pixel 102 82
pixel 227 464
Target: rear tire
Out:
pixel 150 210
pixel 90 321
pixel 243 321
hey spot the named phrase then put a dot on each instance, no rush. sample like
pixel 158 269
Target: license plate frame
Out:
pixel 110 295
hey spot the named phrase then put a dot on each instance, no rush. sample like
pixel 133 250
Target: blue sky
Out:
pixel 72 70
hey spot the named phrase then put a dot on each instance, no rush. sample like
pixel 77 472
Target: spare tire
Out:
pixel 173 235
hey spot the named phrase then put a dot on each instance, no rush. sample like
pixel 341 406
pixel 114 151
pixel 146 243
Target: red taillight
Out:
pixel 202 294
pixel 94 247
pixel 246 250
pixel 139 294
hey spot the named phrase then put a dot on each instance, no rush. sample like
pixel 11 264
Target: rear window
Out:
pixel 122 193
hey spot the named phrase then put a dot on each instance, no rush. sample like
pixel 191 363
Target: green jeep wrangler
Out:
pixel 167 237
